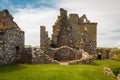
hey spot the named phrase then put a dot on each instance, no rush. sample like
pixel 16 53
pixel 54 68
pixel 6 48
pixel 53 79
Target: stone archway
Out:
pixel 17 48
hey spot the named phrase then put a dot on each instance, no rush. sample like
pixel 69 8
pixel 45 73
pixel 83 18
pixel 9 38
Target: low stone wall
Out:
pixel 105 53
pixel 36 56
pixel 86 59
pixel 27 57
pixel 64 53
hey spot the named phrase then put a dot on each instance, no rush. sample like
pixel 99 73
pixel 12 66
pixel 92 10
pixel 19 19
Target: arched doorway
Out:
pixel 17 48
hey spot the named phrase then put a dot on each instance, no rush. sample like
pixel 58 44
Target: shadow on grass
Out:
pixel 11 68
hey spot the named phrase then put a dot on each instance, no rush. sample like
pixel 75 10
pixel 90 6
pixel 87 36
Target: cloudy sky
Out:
pixel 31 14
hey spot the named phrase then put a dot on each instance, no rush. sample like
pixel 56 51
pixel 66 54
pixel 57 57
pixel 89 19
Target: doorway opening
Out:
pixel 17 54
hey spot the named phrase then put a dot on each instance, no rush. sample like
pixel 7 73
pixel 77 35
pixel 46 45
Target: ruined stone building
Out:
pixel 70 34
pixel 11 39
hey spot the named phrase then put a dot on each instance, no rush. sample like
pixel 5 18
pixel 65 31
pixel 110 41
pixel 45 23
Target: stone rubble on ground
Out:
pixel 108 71
pixel 118 76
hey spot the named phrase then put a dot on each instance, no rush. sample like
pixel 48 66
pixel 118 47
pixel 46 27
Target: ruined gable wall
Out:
pixel 6 20
pixel 12 39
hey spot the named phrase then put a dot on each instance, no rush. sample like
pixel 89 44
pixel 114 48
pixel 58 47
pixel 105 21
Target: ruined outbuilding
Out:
pixel 77 33
pixel 11 39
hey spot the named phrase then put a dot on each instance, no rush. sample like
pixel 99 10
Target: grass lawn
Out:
pixel 56 72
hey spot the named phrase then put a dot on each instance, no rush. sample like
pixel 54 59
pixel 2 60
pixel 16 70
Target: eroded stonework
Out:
pixel 11 39
pixel 74 32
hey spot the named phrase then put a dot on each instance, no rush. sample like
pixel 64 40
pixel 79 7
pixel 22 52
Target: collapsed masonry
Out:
pixel 70 35
pixel 11 39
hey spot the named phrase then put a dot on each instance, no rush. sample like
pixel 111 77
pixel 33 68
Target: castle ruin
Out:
pixel 70 34
pixel 72 39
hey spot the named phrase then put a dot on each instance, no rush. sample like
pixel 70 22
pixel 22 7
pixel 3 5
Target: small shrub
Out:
pixel 115 69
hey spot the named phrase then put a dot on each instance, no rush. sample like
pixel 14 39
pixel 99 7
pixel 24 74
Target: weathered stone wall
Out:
pixel 12 46
pixel 89 37
pixel 63 38
pixel 11 40
pixel 75 32
pixel 6 20
pixel 44 39
pixel 85 59
pixel 64 53
pixel 36 56
pixel 105 53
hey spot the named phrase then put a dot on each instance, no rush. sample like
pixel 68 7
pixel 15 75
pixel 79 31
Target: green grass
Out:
pixel 117 57
pixel 56 72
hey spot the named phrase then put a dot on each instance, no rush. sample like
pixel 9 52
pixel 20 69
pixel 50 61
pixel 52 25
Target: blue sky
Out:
pixel 9 4
pixel 30 14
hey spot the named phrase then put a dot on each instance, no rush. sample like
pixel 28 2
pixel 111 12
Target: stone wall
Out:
pixel 63 38
pixel 74 31
pixel 35 55
pixel 44 39
pixel 64 53
pixel 105 53
pixel 11 40
pixel 12 46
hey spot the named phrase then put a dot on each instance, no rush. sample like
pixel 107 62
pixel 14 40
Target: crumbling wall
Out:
pixel 66 53
pixel 6 20
pixel 74 31
pixel 35 55
pixel 105 53
pixel 44 39
pixel 63 38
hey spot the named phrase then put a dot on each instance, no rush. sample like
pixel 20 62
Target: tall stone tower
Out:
pixel 11 39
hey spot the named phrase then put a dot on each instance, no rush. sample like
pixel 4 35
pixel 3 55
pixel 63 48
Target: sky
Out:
pixel 31 14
